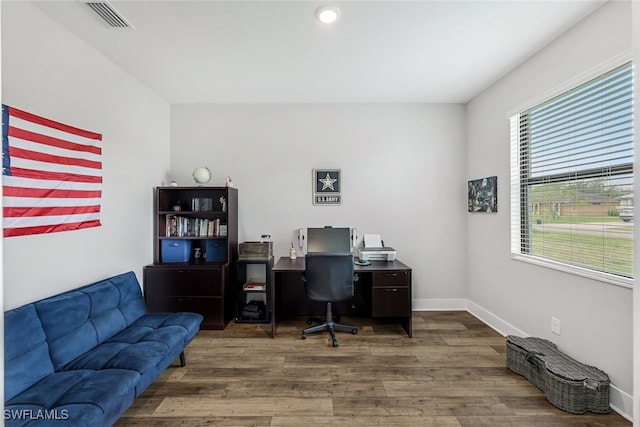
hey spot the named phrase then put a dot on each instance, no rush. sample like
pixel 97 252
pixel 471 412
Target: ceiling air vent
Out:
pixel 108 14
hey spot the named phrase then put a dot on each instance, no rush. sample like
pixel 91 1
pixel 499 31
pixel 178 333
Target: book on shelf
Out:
pixel 201 204
pixel 181 226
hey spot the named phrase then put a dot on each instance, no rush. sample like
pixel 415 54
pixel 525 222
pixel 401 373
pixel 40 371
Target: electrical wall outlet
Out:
pixel 555 325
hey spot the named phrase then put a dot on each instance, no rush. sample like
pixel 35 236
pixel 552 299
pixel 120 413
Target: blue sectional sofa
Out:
pixel 81 357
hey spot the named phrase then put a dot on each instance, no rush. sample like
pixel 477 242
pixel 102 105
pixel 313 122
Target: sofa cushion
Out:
pixel 131 300
pixel 26 354
pixel 78 398
pixel 65 319
pixel 139 357
pixel 79 320
pixel 147 346
pixel 190 322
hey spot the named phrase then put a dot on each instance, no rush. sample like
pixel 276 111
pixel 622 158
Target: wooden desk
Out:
pixel 383 290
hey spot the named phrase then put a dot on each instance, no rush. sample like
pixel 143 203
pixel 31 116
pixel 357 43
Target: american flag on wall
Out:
pixel 51 175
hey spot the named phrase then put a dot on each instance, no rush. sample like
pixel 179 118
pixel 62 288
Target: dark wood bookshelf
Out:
pixel 200 275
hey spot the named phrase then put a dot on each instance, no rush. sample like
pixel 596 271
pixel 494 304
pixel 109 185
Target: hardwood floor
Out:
pixel 451 373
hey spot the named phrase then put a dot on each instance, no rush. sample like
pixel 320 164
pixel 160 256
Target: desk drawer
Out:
pixel 391 302
pixel 167 282
pixel 391 294
pixel 391 279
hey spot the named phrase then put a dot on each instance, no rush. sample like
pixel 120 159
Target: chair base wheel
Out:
pixel 304 337
pixel 328 324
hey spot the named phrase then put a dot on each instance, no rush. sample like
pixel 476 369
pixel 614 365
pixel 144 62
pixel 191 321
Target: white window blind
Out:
pixel 572 177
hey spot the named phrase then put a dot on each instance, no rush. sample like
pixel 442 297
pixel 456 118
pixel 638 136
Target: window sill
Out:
pixel 583 272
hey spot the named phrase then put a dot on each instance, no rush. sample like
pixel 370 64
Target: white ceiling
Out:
pixel 276 52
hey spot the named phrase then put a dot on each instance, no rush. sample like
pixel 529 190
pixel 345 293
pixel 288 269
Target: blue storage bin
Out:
pixel 216 250
pixel 175 250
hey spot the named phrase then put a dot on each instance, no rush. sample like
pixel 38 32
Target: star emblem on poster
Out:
pixel 327 182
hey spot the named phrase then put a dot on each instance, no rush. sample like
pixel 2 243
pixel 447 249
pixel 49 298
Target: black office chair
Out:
pixel 329 277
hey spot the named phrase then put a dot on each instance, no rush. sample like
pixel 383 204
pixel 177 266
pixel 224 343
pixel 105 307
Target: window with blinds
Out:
pixel 572 178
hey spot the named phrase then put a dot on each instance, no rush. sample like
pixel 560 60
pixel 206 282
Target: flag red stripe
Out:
pixel 50 193
pixel 53 124
pixel 51 141
pixel 59 210
pixel 23 231
pixel 49 158
pixel 54 176
pixel 41 142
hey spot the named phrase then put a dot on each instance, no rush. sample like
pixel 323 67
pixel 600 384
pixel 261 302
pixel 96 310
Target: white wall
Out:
pixel 596 317
pixel 402 165
pixel 48 71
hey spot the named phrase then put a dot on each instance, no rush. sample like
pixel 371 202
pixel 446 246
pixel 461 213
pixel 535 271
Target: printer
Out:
pixel 374 250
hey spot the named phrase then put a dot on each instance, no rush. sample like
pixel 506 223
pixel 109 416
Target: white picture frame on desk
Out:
pixel 327 187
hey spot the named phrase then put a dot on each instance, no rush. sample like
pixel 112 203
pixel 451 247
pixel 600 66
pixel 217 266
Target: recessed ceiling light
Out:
pixel 327 14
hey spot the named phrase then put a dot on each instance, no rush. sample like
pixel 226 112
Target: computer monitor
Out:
pixel 328 239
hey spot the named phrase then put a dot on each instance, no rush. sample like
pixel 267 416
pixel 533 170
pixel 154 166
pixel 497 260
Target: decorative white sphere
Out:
pixel 202 175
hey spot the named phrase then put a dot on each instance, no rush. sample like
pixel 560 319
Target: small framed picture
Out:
pixel 483 194
pixel 327 186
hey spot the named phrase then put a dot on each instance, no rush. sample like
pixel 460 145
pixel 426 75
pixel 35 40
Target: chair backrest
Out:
pixel 329 276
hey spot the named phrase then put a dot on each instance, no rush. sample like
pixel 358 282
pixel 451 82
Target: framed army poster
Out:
pixel 327 186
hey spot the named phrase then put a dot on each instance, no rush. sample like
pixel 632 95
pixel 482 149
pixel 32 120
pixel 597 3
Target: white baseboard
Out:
pixel 496 323
pixel 451 304
pixel 620 401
